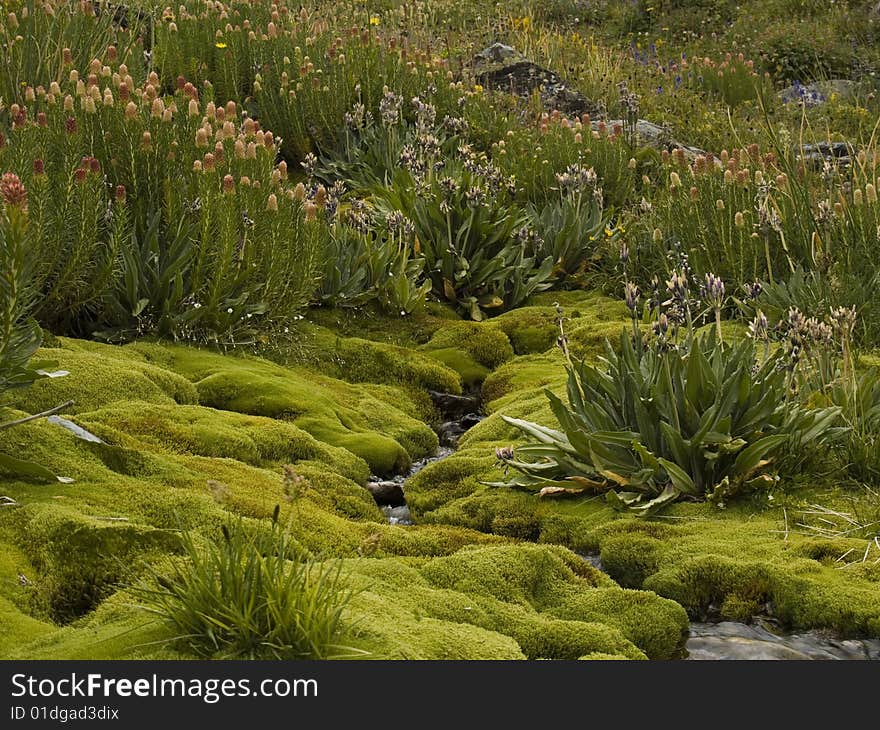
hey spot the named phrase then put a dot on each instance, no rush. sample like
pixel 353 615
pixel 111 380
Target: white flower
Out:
pixel 229 311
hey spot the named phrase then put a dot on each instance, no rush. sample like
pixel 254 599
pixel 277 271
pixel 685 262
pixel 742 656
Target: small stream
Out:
pixel 395 507
pixel 458 413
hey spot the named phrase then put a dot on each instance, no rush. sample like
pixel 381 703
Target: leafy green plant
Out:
pixel 352 264
pixel 365 262
pixel 859 400
pixel 404 287
pixel 477 248
pixel 251 595
pixel 571 230
pixel 674 419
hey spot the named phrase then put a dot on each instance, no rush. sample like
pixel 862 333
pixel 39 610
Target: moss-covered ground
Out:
pixel 193 439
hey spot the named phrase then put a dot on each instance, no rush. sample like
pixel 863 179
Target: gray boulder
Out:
pixel 503 68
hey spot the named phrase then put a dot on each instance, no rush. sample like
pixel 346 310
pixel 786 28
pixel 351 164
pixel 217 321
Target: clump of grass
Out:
pixel 251 596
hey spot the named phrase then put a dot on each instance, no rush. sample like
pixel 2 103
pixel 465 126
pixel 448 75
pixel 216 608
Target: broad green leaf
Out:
pixel 679 477
pixel 750 457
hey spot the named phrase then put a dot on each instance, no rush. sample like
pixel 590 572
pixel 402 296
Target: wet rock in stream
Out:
pixel 398 515
pixel 733 640
pixel 390 491
pixel 387 493
pixel 453 406
pixel 450 432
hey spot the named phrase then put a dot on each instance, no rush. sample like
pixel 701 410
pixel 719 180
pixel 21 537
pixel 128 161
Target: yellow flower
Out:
pixel 374 20
pixel 220 45
pixel 478 89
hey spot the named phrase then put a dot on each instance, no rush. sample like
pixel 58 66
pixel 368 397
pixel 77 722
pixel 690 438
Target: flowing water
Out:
pixel 459 413
pixel 399 514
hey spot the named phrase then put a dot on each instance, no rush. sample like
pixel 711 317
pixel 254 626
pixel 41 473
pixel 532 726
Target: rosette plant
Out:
pixel 683 415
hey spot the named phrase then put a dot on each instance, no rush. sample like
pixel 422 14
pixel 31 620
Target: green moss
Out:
pixel 584 617
pixel 656 625
pixel 115 630
pixel 517 591
pixel 361 418
pixel 472 349
pixel 529 575
pixel 559 639
pixel 17 587
pixel 444 481
pixel 630 559
pixel 423 541
pixel 531 330
pixel 738 567
pixel 101 375
pixel 469 370
pixel 359 360
pixel 484 343
pixel 207 432
pixel 393 616
pixel 524 377
pixel 80 559
pixel 372 323
pixel 590 318
pixel 19 629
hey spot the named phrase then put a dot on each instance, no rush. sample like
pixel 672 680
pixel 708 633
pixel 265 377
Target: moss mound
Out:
pixel 370 421
pixel 590 318
pixel 101 375
pixel 544 598
pixel 359 360
pixel 472 349
pixel 207 432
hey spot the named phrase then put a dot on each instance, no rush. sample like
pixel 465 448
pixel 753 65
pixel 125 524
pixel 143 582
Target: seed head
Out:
pixel 758 327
